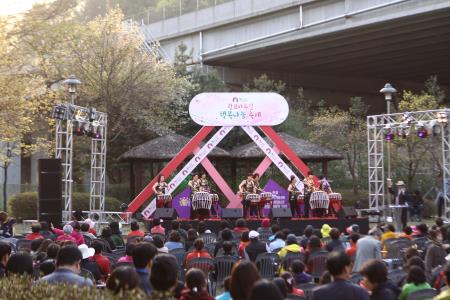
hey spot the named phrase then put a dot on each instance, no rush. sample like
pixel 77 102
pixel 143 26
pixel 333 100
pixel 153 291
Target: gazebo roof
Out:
pixel 304 149
pixel 164 148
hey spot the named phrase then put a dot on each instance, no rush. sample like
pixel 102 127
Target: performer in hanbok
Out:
pixel 160 189
pixel 246 187
pixel 309 188
pixel 293 194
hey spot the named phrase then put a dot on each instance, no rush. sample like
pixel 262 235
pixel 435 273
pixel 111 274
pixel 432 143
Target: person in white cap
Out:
pixel 401 197
pixel 255 247
pixel 86 264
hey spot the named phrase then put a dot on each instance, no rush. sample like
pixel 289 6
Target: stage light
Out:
pixel 388 133
pixel 407 118
pixel 59 112
pixel 421 130
pixel 442 117
pixel 403 131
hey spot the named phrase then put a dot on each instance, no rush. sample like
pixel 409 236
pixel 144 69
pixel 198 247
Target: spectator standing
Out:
pixel 367 248
pixel 243 276
pixel 135 230
pixel 164 277
pixel 335 243
pixel 445 295
pixel 199 251
pixel 174 241
pixel 375 280
pixel 102 262
pixel 122 279
pixel 87 264
pixel 298 272
pixel 143 255
pixel 338 264
pixel 157 228
pixel 195 286
pixel 5 253
pixel 68 267
pixel 416 281
pixel 255 247
pixel 35 233
pixel 116 234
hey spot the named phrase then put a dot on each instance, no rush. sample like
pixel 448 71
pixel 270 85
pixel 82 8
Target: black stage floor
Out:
pixel 295 225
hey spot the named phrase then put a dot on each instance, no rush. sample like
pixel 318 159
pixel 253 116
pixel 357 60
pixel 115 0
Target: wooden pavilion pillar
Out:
pixel 132 181
pixel 139 174
pixel 325 168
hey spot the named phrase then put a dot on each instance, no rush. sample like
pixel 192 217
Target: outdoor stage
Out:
pixel 295 225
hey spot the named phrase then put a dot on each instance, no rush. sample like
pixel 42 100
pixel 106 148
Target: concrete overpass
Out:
pixel 331 47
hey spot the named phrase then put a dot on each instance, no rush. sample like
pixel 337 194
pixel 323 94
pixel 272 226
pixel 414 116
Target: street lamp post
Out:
pixel 388 90
pixel 72 83
pixel 5 174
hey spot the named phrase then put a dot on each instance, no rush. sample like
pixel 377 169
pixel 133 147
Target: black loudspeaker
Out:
pixel 165 213
pixel 232 213
pixel 347 212
pixel 50 191
pixel 280 212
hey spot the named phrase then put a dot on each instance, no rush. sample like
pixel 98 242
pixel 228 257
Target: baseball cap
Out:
pixel 253 234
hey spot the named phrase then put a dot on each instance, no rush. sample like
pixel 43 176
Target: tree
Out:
pixel 345 132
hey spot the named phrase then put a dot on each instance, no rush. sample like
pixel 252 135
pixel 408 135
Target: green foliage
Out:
pixel 264 84
pixel 23 206
pixel 18 288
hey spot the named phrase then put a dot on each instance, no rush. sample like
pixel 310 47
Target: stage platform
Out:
pixel 295 225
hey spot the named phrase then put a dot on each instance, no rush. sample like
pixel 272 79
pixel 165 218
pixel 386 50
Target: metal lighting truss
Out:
pixel 376 124
pixel 64 151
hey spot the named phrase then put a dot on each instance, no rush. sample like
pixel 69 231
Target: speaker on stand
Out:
pixel 50 191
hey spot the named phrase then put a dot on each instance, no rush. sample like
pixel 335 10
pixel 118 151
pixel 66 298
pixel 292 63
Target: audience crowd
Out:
pixel 236 263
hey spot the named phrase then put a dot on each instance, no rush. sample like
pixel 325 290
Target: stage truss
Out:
pixel 376 126
pixel 68 114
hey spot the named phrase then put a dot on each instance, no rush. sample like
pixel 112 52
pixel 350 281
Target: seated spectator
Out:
pixel 306 235
pixel 176 227
pixel 325 278
pixel 6 225
pixel 290 284
pixel 421 231
pixel 291 247
pixel 201 227
pixel 224 224
pixel 435 253
pixel 157 228
pixel 325 231
pixel 67 268
pixel 367 248
pixel 195 286
pixel 445 295
pixel 66 234
pixel 228 249
pixel 35 229
pixel 91 226
pixel 335 244
pixel 410 252
pixel 35 245
pixel 241 226
pixel 255 247
pixel 389 233
pixel 244 274
pixel 122 279
pixel 164 276
pixel 87 264
pixel 351 252
pixel 47 267
pixel 135 230
pixel 264 289
pixel 128 258
pixel 192 235
pixel 298 272
pixel 159 244
pixel 46 232
pixel 338 264
pixel 226 290
pixel 174 241
pixel 407 233
pixel 275 228
pixel 375 280
pixel 278 242
pixel 415 281
pixel 107 237
pixel 281 285
pixel 314 246
pixel 52 251
pixel 354 228
pixel 243 243
pixel 85 231
pixel 5 253
pixel 199 251
pixel 265 226
pixel 102 262
pixel 143 255
pixel 76 232
pixel 116 234
pixel 227 236
pixel 41 253
pixel 413 261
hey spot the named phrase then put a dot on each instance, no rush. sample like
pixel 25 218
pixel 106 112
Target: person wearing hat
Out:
pixel 255 246
pixel 291 246
pixel 401 197
pixel 325 231
pixel 86 263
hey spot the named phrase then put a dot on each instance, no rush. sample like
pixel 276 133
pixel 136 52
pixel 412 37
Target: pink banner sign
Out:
pixel 238 109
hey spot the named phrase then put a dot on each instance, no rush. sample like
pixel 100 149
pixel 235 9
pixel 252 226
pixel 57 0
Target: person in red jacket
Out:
pixel 135 230
pixel 102 262
pixel 198 252
pixel 195 286
pixel 35 233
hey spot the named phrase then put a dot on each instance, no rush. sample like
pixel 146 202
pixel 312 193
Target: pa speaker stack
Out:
pixel 50 191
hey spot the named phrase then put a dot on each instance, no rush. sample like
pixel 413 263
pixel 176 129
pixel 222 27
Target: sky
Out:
pixel 12 7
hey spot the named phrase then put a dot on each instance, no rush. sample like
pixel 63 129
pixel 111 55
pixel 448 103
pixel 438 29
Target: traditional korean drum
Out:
pixel 252 198
pixel 335 196
pixel 163 200
pixel 214 197
pixel 335 202
pixel 265 196
pixel 319 200
pixel 301 199
pixel 201 200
